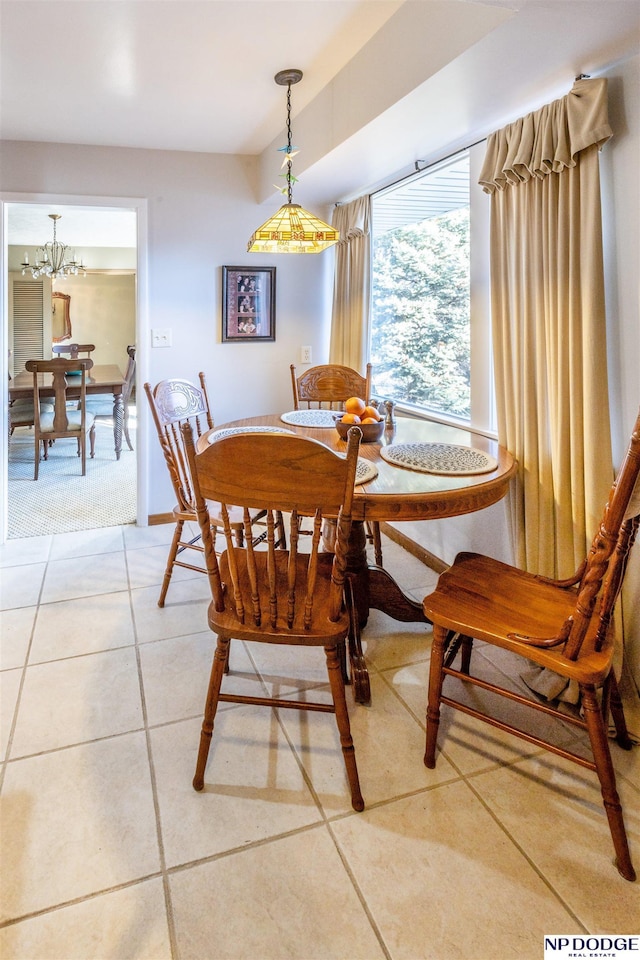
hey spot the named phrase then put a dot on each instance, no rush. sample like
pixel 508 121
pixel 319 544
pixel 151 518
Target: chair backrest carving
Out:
pixel 329 385
pixel 174 403
pixel 298 476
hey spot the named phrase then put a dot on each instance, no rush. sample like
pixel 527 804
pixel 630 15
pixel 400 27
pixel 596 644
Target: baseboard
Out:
pixel 156 518
pixel 420 553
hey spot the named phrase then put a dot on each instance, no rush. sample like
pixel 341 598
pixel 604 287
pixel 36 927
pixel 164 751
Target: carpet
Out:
pixel 61 500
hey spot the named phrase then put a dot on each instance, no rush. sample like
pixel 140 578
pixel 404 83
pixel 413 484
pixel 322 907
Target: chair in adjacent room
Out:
pixel 564 626
pixel 327 386
pixel 278 596
pixel 174 403
pixel 101 404
pixel 72 350
pixel 62 422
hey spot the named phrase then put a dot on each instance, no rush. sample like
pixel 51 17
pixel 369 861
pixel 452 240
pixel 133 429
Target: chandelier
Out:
pixel 51 259
pixel 292 229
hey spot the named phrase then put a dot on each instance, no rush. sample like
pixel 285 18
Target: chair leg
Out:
pixel 173 553
pixel 344 727
pixel 125 428
pixel 606 774
pixel 436 676
pixel 92 440
pixel 220 658
pixel 617 713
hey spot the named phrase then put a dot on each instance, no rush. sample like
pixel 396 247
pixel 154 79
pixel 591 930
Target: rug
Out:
pixel 61 500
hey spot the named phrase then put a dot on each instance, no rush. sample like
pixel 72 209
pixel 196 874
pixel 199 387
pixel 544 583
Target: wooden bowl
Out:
pixel 371 432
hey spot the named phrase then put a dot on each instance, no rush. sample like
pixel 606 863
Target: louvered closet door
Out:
pixel 29 321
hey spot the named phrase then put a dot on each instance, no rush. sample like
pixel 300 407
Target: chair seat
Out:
pixel 23 415
pixel 74 421
pixel 100 404
pixel 322 631
pixel 533 609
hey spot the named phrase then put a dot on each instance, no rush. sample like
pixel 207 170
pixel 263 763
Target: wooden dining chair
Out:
pixel 174 403
pixel 63 422
pixel 271 595
pixel 565 626
pixel 327 386
pixel 101 404
pixel 72 350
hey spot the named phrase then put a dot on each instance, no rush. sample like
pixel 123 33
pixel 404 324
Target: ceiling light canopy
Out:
pixel 292 229
pixel 51 259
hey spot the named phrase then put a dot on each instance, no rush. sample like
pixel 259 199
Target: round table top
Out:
pixel 398 493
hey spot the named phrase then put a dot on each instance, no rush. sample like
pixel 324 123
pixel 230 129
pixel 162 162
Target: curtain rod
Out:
pixel 418 169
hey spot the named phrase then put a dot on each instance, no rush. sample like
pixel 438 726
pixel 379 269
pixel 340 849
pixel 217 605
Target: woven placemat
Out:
pixel 230 431
pixel 365 471
pixel 311 418
pixel 443 458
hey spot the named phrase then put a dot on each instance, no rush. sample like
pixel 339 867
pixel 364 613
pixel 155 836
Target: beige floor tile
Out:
pixel 553 809
pixel 20 586
pixel 15 553
pixel 470 744
pixel 389 747
pixel 176 672
pixel 78 700
pixel 82 543
pixel 9 689
pixel 128 924
pixel 76 821
pixel 16 627
pixel 148 564
pixel 184 612
pixel 84 577
pixel 389 643
pixel 253 788
pixel 70 628
pixel 137 537
pixel 270 904
pixel 443 881
pixel 286 667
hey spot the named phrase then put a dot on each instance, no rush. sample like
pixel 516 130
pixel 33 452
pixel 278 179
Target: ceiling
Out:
pixel 197 75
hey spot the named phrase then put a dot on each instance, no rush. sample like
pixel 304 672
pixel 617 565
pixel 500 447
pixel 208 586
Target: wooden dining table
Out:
pixel 101 378
pixel 396 493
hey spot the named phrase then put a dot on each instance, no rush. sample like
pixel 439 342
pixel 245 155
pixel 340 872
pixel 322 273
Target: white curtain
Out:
pixel 350 325
pixel 548 315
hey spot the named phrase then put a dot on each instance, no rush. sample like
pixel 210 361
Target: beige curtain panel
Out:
pixel 350 325
pixel 548 315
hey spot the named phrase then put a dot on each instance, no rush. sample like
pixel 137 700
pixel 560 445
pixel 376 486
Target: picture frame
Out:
pixel 248 304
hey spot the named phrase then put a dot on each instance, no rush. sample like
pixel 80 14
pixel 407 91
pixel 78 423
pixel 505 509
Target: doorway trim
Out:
pixel 139 205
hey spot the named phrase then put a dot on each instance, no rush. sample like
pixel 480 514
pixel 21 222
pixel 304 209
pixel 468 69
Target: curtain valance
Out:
pixel 353 219
pixel 547 140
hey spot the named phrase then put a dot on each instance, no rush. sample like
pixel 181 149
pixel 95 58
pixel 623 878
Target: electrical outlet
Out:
pixel 161 338
pixel 305 355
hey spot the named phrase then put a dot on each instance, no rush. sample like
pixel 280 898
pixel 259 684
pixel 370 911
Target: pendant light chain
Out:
pixel 289 161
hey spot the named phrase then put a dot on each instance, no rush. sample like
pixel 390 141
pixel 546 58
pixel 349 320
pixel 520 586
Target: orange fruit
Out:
pixel 370 420
pixel 350 418
pixel 371 413
pixel 355 405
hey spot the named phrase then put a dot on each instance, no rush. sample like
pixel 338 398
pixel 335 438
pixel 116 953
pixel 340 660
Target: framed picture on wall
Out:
pixel 248 304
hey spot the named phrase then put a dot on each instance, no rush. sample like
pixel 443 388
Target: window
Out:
pixel 429 326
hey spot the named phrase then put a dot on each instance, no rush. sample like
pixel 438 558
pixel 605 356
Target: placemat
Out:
pixel 230 431
pixel 442 458
pixel 365 471
pixel 311 418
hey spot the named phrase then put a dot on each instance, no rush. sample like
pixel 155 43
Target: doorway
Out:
pixel 107 306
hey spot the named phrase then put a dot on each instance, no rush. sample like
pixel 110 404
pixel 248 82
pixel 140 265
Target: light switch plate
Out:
pixel 161 338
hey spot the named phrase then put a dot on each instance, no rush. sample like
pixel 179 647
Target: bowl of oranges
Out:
pixel 357 412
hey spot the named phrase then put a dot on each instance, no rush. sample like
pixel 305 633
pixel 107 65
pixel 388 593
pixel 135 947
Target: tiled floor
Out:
pixel 109 853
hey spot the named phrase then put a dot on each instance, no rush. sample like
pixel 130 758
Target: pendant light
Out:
pixel 292 229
